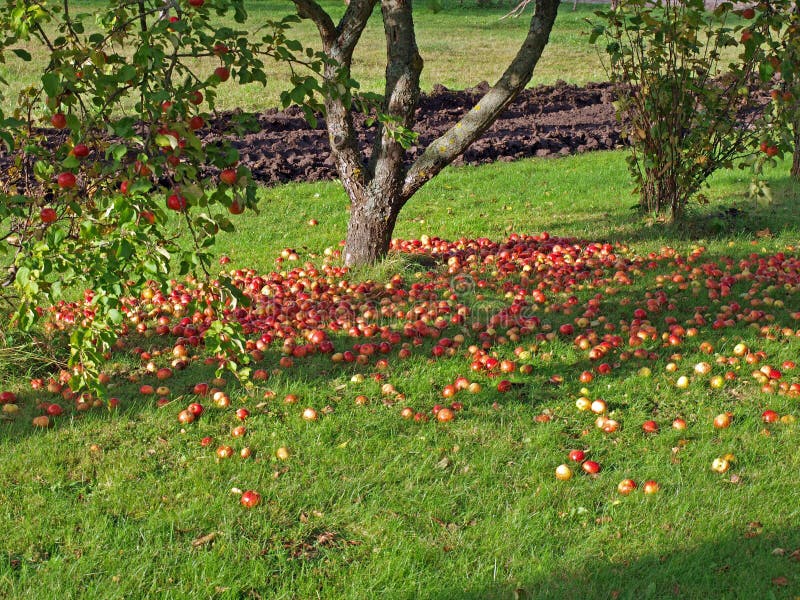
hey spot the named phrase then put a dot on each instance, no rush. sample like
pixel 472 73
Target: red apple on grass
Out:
pixel 250 499
pixel 770 416
pixel 651 487
pixel 577 455
pixel 591 467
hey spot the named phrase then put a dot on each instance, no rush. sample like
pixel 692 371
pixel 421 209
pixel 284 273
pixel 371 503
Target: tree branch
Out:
pixel 403 68
pixel 339 43
pixel 444 150
pixel 309 9
pixel 355 18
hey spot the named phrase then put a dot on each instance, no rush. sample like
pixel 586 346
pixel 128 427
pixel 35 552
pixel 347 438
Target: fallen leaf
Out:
pixel 444 463
pixel 326 538
pixel 603 519
pixel 204 540
pixel 780 581
pixel 778 552
pixel 753 529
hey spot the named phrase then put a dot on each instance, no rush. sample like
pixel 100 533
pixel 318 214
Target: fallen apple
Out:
pixel 591 467
pixel 626 486
pixel 651 487
pixel 563 473
pixel 250 499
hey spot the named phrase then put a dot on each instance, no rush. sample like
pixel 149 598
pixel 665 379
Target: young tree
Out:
pixel 378 189
pixel 687 79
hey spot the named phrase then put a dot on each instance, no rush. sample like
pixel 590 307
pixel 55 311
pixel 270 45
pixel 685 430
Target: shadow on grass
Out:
pixel 742 563
pixel 318 372
pixel 738 216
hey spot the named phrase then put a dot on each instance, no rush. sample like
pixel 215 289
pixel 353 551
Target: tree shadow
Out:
pixel 739 563
pixel 537 388
pixel 739 215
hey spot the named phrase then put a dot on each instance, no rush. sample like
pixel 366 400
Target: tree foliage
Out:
pixel 104 171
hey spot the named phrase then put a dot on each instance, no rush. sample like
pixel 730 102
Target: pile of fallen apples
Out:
pixel 480 300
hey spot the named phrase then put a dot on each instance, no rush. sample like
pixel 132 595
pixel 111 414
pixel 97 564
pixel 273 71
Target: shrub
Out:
pixel 688 89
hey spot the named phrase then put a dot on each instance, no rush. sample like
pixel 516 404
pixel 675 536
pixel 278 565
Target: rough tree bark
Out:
pixel 379 190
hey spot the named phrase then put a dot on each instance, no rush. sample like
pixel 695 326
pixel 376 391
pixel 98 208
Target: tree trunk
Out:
pixel 374 209
pixel 795 172
pixel 660 193
pixel 379 189
pixel 369 230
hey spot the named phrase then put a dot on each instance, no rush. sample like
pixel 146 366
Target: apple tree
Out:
pixel 379 187
pixel 104 171
pixel 106 176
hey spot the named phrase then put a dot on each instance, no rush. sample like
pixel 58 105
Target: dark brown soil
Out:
pixel 543 121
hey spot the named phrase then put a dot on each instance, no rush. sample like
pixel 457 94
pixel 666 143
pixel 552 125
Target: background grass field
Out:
pixel 461 46
pixel 370 505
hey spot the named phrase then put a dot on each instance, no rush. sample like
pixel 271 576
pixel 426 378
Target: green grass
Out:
pixel 585 196
pixel 461 46
pixel 370 505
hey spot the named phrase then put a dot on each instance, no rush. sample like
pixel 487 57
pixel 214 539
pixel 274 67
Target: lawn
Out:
pixel 129 503
pixel 360 501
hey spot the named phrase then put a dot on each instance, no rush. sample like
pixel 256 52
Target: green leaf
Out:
pixel 117 152
pixel 23 54
pixel 51 84
pixel 166 141
pixel 23 276
pixel 294 45
pixel 125 250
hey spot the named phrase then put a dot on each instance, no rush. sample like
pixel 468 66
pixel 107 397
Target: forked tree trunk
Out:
pixel 379 190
